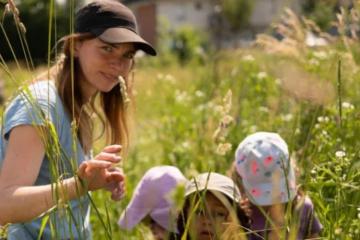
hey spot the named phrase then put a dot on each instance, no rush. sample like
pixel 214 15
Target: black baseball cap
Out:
pixel 111 22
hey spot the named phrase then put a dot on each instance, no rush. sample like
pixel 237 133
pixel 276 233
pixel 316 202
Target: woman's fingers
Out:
pixel 118 192
pixel 111 157
pixel 112 148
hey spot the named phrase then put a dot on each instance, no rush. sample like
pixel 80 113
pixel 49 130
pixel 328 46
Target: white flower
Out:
pixel 347 105
pixel 320 55
pixel 338 231
pixel 314 62
pixel 323 119
pixel 227 119
pixel 234 71
pixel 199 93
pixel 262 75
pixel 186 145
pixel 253 128
pixel 160 76
pixel 223 148
pixel 263 109
pixel 340 154
pixel 170 78
pixel 287 118
pixel 248 58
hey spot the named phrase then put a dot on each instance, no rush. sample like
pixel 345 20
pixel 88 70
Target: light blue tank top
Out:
pixel 40 105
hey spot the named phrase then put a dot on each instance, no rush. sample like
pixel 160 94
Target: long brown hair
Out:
pixel 111 108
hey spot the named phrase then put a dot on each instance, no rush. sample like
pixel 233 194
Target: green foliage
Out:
pixel 321 12
pixel 237 12
pixel 35 16
pixel 189 45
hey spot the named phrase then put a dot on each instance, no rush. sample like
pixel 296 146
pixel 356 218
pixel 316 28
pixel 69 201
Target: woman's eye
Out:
pixel 107 49
pixel 129 55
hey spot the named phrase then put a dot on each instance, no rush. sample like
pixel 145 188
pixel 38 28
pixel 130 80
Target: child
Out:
pixel 151 201
pixel 266 175
pixel 211 209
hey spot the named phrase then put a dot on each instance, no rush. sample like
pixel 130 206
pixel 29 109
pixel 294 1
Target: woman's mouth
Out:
pixel 110 77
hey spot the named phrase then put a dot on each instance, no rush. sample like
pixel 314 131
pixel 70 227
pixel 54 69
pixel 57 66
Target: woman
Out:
pixel 46 133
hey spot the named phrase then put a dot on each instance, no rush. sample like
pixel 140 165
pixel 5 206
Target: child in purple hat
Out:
pixel 266 175
pixel 151 201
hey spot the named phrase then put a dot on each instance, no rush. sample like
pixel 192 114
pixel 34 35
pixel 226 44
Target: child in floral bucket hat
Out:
pixel 266 175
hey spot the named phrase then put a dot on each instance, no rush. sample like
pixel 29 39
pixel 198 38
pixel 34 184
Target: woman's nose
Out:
pixel 120 65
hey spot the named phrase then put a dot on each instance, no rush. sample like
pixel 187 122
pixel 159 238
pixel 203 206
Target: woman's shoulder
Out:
pixel 43 92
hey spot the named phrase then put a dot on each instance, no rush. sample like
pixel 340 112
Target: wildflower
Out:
pixel 347 105
pixel 340 154
pixel 123 90
pixel 338 231
pixel 234 71
pixel 227 101
pixel 248 58
pixel 323 119
pixel 186 145
pixel 263 109
pixel 223 148
pixel 322 55
pixel 227 119
pixel 262 75
pixel 287 118
pixel 199 94
pixel 170 78
pixel 160 76
pixel 181 97
pixel 253 128
pixel 314 62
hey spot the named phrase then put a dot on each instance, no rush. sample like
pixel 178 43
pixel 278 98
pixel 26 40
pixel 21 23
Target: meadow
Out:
pixel 193 114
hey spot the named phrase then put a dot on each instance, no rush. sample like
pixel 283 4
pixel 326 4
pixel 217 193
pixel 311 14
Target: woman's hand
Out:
pixel 99 173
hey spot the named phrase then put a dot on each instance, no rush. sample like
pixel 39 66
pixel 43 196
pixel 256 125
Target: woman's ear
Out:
pixel 77 46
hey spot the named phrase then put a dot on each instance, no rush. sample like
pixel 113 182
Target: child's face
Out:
pixel 209 220
pixel 159 233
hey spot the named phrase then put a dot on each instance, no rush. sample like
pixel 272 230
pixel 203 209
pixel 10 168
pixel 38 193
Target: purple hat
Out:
pixel 151 197
pixel 262 161
pixel 112 22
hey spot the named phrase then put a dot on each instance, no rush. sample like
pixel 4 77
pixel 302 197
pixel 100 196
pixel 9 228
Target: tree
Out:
pixel 237 12
pixel 35 15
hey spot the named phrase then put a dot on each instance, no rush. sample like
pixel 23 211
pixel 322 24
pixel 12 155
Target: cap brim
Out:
pixel 227 192
pixel 124 35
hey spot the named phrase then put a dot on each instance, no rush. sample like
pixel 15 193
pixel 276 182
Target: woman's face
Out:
pixel 209 220
pixel 102 63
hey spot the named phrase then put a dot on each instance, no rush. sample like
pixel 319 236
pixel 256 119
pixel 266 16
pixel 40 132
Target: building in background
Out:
pixel 205 16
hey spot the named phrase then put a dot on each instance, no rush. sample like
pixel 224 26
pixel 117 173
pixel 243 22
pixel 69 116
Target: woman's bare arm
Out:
pixel 20 201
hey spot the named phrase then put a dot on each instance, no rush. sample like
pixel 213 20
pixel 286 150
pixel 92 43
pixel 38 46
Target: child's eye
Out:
pixel 221 215
pixel 200 212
